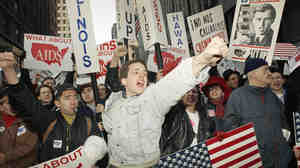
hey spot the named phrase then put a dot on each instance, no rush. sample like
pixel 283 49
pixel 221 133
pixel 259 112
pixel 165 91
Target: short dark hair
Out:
pixel 82 87
pixel 125 68
pixel 265 7
pixel 62 88
pixel 38 90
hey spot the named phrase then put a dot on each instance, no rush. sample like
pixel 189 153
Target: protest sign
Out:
pixel 125 19
pixel 255 29
pixel 205 25
pixel 105 54
pixel 152 23
pixel 75 159
pixel 177 31
pixel 83 36
pixel 48 53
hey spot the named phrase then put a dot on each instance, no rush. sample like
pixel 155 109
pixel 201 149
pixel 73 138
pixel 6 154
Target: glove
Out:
pixel 220 135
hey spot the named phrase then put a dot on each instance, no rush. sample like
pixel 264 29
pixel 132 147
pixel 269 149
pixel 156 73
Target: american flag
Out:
pixel 297 130
pixel 284 50
pixel 238 149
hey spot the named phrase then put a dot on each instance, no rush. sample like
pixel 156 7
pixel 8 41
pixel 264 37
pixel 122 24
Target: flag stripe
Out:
pixel 231 133
pixel 283 50
pixel 227 140
pixel 229 164
pixel 213 156
pixel 233 152
pixel 236 156
pixel 255 163
pixel 231 143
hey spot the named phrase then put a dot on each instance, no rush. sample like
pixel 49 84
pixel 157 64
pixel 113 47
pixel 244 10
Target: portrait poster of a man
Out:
pixel 255 29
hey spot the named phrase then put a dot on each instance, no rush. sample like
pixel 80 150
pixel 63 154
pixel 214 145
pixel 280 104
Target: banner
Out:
pixel 177 31
pixel 105 54
pixel 152 23
pixel 75 159
pixel 255 29
pixel 205 25
pixel 126 19
pixel 48 53
pixel 171 58
pixel 83 36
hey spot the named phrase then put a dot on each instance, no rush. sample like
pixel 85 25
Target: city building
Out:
pixel 20 16
pixel 62 20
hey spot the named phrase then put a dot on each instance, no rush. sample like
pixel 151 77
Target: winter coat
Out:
pixel 63 138
pixel 261 107
pixel 134 123
pixel 18 144
pixel 177 131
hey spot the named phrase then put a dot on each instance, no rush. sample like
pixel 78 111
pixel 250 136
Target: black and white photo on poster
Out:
pixel 255 29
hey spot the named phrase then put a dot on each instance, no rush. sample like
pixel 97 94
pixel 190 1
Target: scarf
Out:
pixel 8 119
pixel 219 107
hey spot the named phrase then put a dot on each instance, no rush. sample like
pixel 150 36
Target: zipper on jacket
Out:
pixel 68 139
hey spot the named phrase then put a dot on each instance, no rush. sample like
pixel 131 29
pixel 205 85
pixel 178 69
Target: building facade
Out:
pixel 62 20
pixel 21 16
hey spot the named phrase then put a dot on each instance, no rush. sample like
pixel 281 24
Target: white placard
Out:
pixel 152 23
pixel 177 31
pixel 205 25
pixel 126 19
pixel 75 159
pixel 48 52
pixel 83 36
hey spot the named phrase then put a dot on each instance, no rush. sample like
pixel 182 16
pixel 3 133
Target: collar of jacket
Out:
pixel 257 90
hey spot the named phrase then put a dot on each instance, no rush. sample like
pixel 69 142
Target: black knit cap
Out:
pixel 62 88
pixel 253 63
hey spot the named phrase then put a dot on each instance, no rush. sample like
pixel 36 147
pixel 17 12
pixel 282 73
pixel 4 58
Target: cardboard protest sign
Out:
pixel 171 58
pixel 83 36
pixel 205 25
pixel 125 19
pixel 47 52
pixel 105 54
pixel 255 29
pixel 75 159
pixel 177 31
pixel 151 22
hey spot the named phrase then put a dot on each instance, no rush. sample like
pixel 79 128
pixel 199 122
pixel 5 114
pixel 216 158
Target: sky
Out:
pixel 104 15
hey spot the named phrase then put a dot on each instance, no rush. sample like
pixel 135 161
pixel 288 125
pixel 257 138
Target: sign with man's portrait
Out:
pixel 255 29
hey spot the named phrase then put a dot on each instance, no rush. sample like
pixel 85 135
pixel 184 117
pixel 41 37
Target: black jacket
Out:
pixel 41 118
pixel 177 130
pixel 64 138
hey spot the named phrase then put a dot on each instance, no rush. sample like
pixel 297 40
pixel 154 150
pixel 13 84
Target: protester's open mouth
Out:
pixel 140 83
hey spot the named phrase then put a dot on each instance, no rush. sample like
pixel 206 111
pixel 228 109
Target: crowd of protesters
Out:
pixel 142 120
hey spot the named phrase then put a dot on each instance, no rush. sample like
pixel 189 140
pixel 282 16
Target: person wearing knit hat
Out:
pixel 256 103
pixel 253 63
